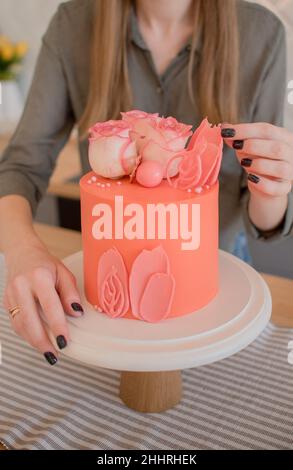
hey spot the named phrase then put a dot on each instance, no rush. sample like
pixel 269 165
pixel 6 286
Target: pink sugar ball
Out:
pixel 149 174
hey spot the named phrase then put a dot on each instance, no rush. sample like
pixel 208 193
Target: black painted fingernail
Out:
pixel 246 162
pixel 226 133
pixel 51 358
pixel 238 144
pixel 77 307
pixel 61 341
pixel 253 178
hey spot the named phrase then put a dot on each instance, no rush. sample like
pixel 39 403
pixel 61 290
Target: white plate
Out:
pixel 234 318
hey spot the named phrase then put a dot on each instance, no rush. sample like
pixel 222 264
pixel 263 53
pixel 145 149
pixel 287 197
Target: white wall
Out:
pixel 26 20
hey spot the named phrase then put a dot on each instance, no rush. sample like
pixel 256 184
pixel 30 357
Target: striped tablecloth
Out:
pixel 244 402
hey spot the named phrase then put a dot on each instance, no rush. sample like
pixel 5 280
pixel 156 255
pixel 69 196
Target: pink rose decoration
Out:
pixel 112 152
pixel 137 115
pixel 154 147
pixel 158 138
pixel 151 285
pixel 200 163
pixel 140 122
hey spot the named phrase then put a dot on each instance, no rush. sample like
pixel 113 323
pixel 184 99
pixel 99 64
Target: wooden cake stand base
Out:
pixel 151 356
pixel 151 392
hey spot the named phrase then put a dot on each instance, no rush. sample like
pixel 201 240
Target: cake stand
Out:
pixel 151 356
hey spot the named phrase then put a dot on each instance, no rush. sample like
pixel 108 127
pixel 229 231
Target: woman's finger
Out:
pixel 266 167
pixel 44 290
pixel 68 293
pixel 273 149
pixel 27 323
pixel 268 186
pixel 257 130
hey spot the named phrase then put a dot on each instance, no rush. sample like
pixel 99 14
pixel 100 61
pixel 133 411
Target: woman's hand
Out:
pixel 36 277
pixel 266 153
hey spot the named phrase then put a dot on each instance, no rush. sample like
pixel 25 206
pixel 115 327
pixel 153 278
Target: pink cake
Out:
pixel 149 212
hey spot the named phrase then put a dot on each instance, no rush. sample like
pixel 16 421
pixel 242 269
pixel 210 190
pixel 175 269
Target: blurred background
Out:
pixel 25 21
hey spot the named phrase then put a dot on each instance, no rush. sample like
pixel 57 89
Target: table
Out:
pixel 63 242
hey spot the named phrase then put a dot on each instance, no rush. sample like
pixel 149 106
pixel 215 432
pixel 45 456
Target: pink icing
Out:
pixel 113 284
pixel 157 297
pixel 146 265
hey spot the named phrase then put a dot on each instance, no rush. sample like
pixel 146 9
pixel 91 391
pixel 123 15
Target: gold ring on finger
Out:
pixel 14 311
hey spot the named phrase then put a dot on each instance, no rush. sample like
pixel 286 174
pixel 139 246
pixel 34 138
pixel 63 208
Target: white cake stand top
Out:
pixel 235 317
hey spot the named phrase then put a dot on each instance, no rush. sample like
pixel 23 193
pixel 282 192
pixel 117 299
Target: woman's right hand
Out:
pixel 36 279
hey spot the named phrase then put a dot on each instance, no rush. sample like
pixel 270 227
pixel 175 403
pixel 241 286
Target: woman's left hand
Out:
pixel 265 151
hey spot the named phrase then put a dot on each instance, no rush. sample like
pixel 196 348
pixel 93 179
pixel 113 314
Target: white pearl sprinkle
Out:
pixel 119 182
pixel 94 179
pixel 189 190
pixel 108 185
pixel 89 182
pixel 198 190
pixel 207 186
pixel 102 185
pixel 98 184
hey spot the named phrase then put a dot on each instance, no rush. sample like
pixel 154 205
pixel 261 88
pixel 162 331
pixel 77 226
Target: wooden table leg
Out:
pixel 151 392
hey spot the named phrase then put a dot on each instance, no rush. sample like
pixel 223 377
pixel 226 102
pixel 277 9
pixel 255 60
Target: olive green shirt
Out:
pixel 59 89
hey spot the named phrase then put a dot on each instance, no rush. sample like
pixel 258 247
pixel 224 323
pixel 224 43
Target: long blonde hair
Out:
pixel 215 26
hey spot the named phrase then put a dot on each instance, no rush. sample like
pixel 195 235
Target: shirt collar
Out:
pixel 135 34
pixel 136 37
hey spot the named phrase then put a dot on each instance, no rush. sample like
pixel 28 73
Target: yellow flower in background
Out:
pixel 21 49
pixel 11 55
pixel 4 40
pixel 7 52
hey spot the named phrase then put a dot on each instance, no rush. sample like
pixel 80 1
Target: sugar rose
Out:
pixel 112 152
pixel 158 138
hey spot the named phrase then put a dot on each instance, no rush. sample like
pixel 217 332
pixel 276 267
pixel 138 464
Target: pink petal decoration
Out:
pixel 208 162
pixel 204 126
pixel 111 298
pixel 189 168
pixel 215 173
pixel 157 297
pixel 144 266
pixel 113 284
pixel 200 163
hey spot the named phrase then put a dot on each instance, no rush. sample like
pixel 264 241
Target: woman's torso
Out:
pixel 168 94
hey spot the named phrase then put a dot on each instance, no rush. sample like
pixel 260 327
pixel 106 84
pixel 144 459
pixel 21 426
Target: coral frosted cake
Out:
pixel 149 212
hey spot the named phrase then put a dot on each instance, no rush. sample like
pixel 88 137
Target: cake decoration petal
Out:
pixel 112 283
pixel 157 297
pixel 144 266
